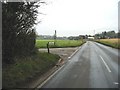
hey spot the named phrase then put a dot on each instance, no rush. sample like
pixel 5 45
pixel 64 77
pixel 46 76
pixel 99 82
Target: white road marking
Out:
pixel 50 77
pixel 116 83
pixel 69 57
pixel 105 64
pixel 74 53
pixel 57 70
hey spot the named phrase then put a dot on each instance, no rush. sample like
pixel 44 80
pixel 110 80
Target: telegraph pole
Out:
pixel 94 34
pixel 55 36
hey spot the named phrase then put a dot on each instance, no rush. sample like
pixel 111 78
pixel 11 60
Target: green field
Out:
pixel 26 69
pixel 115 43
pixel 59 43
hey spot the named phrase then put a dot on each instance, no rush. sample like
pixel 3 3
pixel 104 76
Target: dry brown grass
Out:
pixel 115 42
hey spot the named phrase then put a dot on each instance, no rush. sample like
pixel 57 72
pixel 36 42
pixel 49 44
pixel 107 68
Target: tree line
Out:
pixel 102 35
pixel 109 34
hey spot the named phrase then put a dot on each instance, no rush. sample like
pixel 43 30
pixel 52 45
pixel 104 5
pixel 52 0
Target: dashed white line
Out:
pixel 105 64
pixel 116 83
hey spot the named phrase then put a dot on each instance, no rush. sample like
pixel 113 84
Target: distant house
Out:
pixel 91 38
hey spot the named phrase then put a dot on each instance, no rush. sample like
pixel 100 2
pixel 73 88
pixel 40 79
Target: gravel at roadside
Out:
pixel 64 53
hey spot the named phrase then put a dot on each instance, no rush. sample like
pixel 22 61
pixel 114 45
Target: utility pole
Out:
pixel 55 36
pixel 94 34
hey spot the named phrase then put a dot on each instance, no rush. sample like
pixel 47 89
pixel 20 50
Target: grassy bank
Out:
pixel 59 43
pixel 27 68
pixel 115 43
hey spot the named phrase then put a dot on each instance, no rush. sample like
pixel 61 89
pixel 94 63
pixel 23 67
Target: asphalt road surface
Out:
pixel 93 66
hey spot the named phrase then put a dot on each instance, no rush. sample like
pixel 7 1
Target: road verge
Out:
pixel 58 67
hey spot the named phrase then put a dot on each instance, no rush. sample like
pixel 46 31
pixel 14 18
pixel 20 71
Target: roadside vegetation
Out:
pixel 59 43
pixel 21 61
pixel 26 69
pixel 115 43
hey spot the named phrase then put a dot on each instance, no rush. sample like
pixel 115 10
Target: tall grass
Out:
pixel 115 43
pixel 27 68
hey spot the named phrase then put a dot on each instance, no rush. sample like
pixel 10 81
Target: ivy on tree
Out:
pixel 18 33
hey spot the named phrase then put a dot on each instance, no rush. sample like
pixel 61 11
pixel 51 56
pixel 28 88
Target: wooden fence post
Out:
pixel 48 47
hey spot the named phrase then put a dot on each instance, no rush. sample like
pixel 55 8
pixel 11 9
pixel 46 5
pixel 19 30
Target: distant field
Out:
pixel 115 43
pixel 59 43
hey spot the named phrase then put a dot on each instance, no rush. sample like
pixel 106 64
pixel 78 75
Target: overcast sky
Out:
pixel 77 17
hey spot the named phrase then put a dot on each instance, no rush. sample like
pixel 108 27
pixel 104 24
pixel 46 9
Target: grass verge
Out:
pixel 27 68
pixel 115 43
pixel 59 43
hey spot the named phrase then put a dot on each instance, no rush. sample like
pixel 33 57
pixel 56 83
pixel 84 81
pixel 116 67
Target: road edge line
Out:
pixel 74 52
pixel 45 81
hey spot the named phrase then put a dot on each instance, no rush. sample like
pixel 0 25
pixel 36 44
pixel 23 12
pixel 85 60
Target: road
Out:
pixel 93 66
